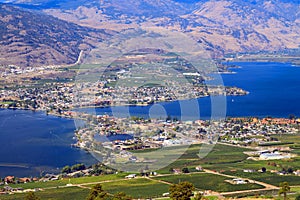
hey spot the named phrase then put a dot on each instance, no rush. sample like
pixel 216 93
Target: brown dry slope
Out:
pixel 30 38
pixel 223 26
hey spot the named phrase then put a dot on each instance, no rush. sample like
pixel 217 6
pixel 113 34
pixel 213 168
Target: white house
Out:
pixel 130 176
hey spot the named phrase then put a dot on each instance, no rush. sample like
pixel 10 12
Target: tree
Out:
pixel 97 193
pixel 297 197
pixel 31 196
pixel 78 167
pixel 185 170
pixel 181 191
pixel 290 170
pixel 284 189
pixel 169 118
pixel 66 169
pixel 198 196
pixel 121 196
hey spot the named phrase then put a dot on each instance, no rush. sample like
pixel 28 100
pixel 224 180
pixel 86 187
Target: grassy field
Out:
pixel 137 188
pixel 63 182
pixel 219 155
pixel 257 165
pixel 224 157
pixel 73 193
pixel 205 181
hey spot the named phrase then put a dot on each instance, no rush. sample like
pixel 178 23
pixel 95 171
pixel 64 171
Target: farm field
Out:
pixel 267 177
pixel 137 188
pixel 206 181
pixel 225 159
pixel 63 182
pixel 219 155
pixel 74 193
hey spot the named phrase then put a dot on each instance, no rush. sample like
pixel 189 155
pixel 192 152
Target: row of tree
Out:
pixel 67 169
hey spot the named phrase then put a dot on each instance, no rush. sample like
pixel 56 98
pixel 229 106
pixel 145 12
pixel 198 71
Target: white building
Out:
pixel 273 156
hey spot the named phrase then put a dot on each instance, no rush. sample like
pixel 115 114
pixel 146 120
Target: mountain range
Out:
pixel 51 31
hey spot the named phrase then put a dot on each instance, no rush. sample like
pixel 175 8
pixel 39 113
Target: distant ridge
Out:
pixel 221 26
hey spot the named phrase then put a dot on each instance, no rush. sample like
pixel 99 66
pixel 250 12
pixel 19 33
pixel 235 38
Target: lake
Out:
pixel 274 90
pixel 32 142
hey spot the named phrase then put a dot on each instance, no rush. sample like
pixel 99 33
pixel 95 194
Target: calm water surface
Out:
pixel 32 142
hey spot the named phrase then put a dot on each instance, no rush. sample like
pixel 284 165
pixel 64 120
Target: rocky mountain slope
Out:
pixel 221 26
pixel 33 38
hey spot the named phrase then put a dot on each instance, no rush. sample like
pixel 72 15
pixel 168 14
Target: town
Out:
pixel 138 133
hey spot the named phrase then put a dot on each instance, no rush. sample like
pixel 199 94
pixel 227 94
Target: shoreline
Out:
pixel 133 105
pixel 89 150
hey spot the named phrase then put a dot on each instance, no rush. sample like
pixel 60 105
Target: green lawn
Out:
pixel 205 181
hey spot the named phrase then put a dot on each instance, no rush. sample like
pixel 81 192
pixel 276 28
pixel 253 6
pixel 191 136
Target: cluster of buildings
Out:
pixel 101 94
pixel 139 85
pixel 11 190
pixel 13 179
pixel 6 189
pixel 64 96
pixel 53 96
pixel 156 133
pixel 9 184
pixel 17 70
pixel 99 132
pixel 151 133
pixel 246 131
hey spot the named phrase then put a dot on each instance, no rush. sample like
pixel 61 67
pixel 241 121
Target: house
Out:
pixel 73 174
pixel 177 171
pixel 35 179
pixel 166 194
pixel 238 181
pixel 9 179
pixel 153 173
pixel 130 176
pixel 297 173
pixel 199 168
pixel 8 188
pixel 273 156
pixel 24 180
pixel 249 170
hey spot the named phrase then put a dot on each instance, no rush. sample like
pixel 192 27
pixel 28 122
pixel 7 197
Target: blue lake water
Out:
pixel 274 90
pixel 110 138
pixel 34 142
